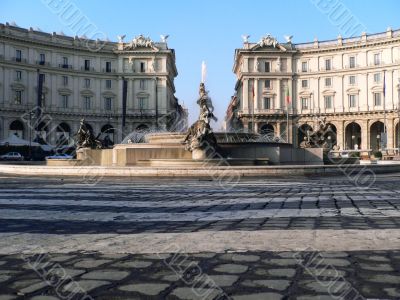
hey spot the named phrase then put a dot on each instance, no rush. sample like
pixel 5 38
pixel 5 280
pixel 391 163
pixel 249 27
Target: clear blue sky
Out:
pixel 208 30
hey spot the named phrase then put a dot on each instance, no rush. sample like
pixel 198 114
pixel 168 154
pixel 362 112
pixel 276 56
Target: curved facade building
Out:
pixel 80 83
pixel 352 83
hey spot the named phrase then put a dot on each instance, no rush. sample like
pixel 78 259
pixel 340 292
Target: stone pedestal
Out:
pixel 199 154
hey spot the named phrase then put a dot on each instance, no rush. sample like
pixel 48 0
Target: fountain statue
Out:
pixel 200 139
pixel 86 139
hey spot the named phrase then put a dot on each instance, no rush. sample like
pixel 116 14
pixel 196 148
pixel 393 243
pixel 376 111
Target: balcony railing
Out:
pixel 105 70
pixel 43 63
pixel 64 66
pixel 87 69
pixel 269 111
pixel 20 60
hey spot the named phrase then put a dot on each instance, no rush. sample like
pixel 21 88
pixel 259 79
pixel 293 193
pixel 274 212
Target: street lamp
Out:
pixel 378 137
pixel 31 115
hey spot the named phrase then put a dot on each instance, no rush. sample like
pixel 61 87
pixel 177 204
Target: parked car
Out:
pixel 12 156
pixel 60 156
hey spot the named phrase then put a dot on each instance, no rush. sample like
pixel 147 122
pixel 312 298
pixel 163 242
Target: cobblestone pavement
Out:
pixel 154 239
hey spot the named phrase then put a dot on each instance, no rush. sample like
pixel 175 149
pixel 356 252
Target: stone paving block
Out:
pixel 85 285
pixel 376 267
pixel 187 293
pixel 231 268
pixel 7 297
pixel 281 261
pixel 106 274
pixel 136 264
pixel 149 289
pixel 91 263
pixel 222 280
pixel 277 284
pixel 258 296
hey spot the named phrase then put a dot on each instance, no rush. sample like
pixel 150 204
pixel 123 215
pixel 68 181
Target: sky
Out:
pixel 211 30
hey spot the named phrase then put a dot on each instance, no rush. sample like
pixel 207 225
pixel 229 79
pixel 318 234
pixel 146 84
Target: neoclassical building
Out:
pixel 117 88
pixel 352 83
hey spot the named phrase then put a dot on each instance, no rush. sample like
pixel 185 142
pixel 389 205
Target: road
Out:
pixel 262 238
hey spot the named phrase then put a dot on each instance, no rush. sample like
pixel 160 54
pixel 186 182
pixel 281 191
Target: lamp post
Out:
pixel 378 137
pixel 31 115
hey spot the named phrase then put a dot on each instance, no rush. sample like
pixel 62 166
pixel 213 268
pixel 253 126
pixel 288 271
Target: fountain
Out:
pixel 200 145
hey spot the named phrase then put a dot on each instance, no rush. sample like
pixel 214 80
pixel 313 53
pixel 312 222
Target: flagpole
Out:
pixel 287 112
pixel 384 109
pixel 252 109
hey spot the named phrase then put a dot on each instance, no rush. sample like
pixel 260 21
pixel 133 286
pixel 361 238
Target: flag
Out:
pixel 252 89
pixel 287 95
pixel 384 83
pixel 124 96
pixel 39 102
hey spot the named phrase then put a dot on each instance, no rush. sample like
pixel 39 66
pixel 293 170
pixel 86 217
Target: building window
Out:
pixel 18 97
pixel 18 55
pixel 65 62
pixel 108 83
pixel 267 66
pixel 64 101
pixel 304 66
pixel 352 62
pixel 377 77
pixel 142 84
pixel 87 83
pixel 352 101
pixel 86 103
pixel 328 65
pixel 304 83
pixel 268 103
pixel 142 67
pixel 377 59
pixel 108 103
pixel 65 80
pixel 328 82
pixel 328 102
pixel 377 99
pixel 42 59
pixel 108 66
pixel 352 80
pixel 87 65
pixel 142 103
pixel 304 103
pixel 267 83
pixel 18 75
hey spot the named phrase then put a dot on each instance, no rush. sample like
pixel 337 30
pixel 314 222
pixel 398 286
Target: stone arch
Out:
pixel 352 135
pixel 142 127
pixel 376 130
pixel 267 129
pixel 302 132
pixel 17 127
pixel 63 134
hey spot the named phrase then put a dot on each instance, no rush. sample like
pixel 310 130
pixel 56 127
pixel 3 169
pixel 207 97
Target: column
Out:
pixel 256 94
pixel 390 133
pixel 130 94
pixel 340 134
pixel 278 129
pixel 279 95
pixel 364 134
pixel 245 95
pixel 293 97
pixel 256 126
